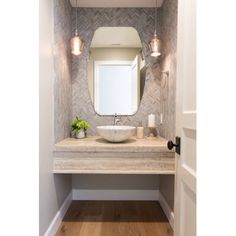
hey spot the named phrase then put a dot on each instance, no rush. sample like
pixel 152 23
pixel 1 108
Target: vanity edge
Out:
pixel 96 144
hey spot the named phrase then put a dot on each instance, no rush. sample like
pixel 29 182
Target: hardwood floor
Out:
pixel 115 218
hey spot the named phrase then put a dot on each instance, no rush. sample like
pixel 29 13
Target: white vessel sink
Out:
pixel 116 133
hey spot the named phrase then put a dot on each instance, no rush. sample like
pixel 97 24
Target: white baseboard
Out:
pixel 165 207
pixel 114 194
pixel 53 227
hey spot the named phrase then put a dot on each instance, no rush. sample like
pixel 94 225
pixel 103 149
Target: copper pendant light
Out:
pixel 155 43
pixel 76 42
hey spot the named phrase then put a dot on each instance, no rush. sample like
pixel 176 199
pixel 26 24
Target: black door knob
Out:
pixel 170 145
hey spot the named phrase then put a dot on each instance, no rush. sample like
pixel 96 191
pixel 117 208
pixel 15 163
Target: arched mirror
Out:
pixel 116 71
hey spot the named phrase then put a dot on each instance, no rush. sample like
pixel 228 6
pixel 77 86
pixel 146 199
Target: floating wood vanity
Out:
pixel 94 155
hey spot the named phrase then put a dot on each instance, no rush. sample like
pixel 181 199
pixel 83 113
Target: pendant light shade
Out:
pixel 155 43
pixel 76 43
pixel 155 46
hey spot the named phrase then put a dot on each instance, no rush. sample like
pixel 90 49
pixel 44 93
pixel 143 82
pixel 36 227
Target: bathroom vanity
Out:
pixel 94 155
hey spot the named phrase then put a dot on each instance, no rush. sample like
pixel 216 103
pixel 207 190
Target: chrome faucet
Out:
pixel 116 119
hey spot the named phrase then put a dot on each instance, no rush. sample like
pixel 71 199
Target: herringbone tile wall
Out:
pixel 62 68
pixel 168 63
pixel 89 19
pixel 71 93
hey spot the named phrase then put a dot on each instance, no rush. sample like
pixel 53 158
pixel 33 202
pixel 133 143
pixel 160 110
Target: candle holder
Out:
pixel 152 131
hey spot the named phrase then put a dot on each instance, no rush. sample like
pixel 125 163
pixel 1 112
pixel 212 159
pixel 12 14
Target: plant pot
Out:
pixel 80 134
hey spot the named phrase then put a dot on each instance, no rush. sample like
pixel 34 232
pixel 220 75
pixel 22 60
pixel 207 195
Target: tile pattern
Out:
pixel 62 66
pixel 168 63
pixel 72 96
pixel 89 19
pixel 169 48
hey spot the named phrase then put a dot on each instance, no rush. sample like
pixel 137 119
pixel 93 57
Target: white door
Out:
pixel 185 186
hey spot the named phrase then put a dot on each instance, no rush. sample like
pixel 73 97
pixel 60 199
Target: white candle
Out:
pixel 151 120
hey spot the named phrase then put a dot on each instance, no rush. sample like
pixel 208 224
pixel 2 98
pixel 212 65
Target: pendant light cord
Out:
pixel 155 19
pixel 76 31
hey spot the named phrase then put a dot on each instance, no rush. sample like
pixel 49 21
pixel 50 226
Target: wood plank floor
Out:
pixel 115 218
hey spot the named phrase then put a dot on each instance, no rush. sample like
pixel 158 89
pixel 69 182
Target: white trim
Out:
pixel 53 227
pixel 165 207
pixel 115 195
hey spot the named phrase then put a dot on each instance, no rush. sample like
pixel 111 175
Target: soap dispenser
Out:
pixel 140 131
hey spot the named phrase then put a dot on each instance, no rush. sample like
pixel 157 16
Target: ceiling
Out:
pixel 116 3
pixel 113 37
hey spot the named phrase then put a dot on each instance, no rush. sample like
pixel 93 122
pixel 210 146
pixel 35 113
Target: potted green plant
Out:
pixel 79 127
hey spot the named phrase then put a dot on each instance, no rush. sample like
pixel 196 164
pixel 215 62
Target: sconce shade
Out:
pixel 76 44
pixel 155 46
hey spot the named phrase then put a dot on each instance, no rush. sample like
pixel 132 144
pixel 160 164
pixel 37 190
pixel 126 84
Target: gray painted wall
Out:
pixel 115 182
pixel 166 187
pixel 53 189
pixel 168 63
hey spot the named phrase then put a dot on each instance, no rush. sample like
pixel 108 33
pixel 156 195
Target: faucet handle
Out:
pixel 116 119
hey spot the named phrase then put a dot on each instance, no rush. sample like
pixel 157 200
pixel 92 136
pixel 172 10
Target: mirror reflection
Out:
pixel 116 71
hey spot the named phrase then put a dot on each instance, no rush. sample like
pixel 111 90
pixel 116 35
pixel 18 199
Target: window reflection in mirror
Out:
pixel 116 71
